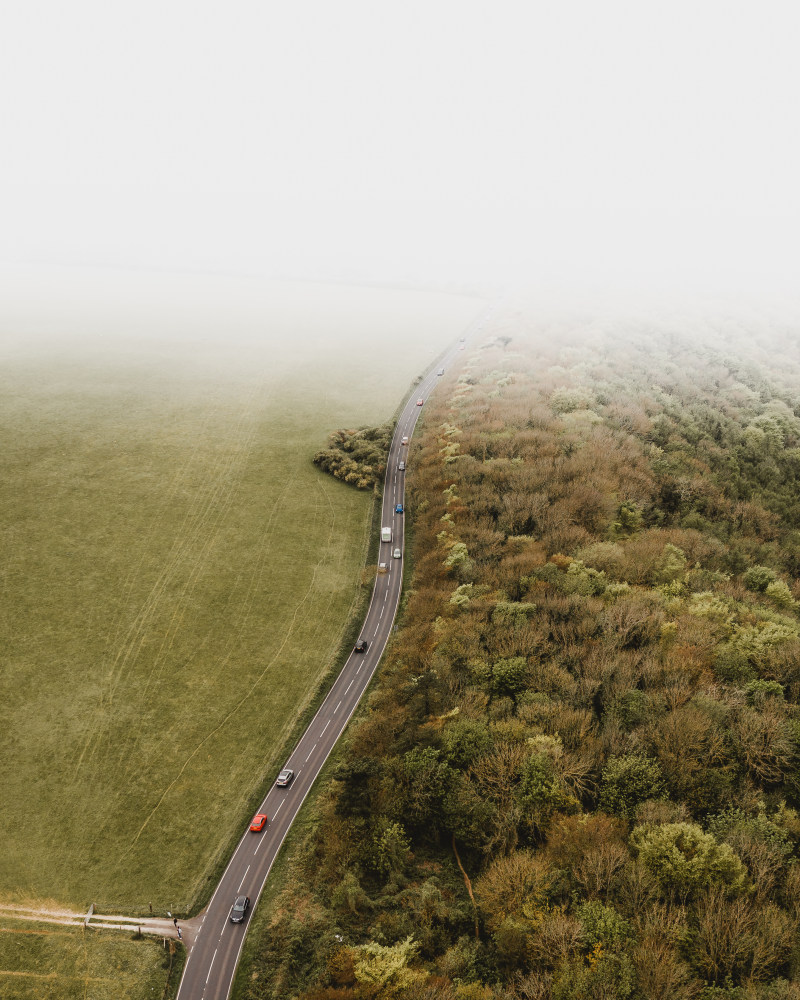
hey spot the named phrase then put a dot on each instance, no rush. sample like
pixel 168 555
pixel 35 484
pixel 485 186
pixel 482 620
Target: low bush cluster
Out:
pixel 358 456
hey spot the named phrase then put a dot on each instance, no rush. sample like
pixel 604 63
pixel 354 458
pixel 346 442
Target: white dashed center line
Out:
pixel 243 878
pixel 211 966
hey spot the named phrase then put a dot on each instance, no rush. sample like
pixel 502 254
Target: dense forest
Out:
pixel 577 775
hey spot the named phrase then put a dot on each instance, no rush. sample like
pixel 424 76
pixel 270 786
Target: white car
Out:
pixel 405 440
pixel 397 554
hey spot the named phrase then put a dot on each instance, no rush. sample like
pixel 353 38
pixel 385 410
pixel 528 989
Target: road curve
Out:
pixel 214 944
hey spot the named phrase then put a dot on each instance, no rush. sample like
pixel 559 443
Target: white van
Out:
pixel 386 534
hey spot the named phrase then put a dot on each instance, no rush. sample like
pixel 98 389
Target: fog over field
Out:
pixel 570 145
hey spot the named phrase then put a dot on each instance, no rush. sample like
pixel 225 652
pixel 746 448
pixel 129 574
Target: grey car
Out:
pixel 285 777
pixel 239 908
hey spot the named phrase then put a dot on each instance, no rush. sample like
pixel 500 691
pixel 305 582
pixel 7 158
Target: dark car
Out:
pixel 361 646
pixel 285 777
pixel 239 908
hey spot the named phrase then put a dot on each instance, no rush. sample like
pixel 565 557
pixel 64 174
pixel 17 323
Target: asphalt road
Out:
pixel 214 944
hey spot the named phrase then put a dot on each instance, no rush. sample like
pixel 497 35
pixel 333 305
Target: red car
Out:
pixel 259 821
pixel 420 401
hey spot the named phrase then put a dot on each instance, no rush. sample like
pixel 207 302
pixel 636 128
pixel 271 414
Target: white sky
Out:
pixel 422 139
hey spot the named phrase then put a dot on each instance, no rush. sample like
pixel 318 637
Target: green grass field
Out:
pixel 47 961
pixel 176 574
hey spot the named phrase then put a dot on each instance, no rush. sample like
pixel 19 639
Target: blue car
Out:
pixel 398 508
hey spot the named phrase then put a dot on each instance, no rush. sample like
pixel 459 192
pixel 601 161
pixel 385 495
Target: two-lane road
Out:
pixel 214 943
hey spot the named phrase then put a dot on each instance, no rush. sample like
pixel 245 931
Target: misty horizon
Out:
pixel 579 147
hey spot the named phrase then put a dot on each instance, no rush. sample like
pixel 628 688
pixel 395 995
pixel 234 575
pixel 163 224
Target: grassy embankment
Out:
pixel 176 573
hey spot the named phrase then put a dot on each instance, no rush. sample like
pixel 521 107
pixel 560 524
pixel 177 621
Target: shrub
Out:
pixel 512 614
pixel 758 578
pixel 759 691
pixel 510 676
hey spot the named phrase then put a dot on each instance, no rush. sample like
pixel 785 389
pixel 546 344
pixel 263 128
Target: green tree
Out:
pixel 685 860
pixel 510 677
pixel 604 926
pixel 541 793
pixel 391 847
pixel 464 740
pixel 384 969
pixel 758 578
pixel 628 781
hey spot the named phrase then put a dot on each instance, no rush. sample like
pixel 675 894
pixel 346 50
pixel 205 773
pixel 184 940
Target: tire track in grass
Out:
pixel 123 645
pixel 221 487
pixel 205 524
pixel 180 476
pixel 278 740
pixel 230 714
pixel 286 489
pixel 215 503
pixel 211 528
pixel 195 519
pixel 284 731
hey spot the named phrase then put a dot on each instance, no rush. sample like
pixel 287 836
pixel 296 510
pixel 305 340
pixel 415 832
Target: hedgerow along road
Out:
pixel 214 944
